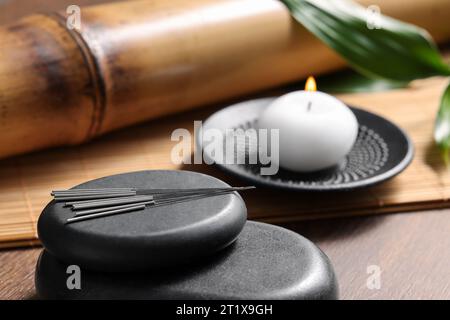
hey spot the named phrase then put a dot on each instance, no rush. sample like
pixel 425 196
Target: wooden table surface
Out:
pixel 412 250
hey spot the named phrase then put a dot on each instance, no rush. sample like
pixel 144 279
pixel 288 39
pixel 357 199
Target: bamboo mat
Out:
pixel 25 182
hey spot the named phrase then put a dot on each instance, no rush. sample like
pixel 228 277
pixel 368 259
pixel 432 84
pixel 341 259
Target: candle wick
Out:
pixel 309 106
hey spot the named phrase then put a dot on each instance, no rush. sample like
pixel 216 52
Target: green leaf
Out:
pixel 442 125
pixel 394 50
pixel 349 81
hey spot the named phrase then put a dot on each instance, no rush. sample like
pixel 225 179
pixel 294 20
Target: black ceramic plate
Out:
pixel 381 151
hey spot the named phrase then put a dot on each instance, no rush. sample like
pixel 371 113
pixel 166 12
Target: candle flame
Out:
pixel 310 84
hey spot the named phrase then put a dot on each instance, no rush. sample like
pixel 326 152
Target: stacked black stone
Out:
pixel 201 249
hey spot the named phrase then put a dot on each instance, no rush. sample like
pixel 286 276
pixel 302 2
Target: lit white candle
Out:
pixel 316 130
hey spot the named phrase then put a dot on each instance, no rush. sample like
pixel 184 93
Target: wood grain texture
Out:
pixel 411 250
pixel 17 273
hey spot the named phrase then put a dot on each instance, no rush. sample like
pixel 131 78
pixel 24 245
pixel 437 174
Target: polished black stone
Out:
pixel 266 262
pixel 152 238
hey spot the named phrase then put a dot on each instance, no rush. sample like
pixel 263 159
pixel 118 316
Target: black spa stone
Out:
pixel 156 237
pixel 266 262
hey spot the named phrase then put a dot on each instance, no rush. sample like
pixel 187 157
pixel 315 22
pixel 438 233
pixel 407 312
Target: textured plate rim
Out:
pixel 397 169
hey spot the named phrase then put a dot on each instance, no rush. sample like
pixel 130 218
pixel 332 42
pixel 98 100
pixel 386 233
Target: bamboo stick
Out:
pixel 138 60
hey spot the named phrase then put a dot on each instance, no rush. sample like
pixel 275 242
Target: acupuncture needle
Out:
pixel 107 202
pixel 156 202
pixel 116 201
pixel 104 200
pixel 128 200
pixel 72 192
pixel 92 190
pixel 78 197
pixel 94 196
pixel 136 207
pixel 104 214
pixel 123 206
pixel 91 195
pixel 133 189
pixel 128 209
pixel 111 202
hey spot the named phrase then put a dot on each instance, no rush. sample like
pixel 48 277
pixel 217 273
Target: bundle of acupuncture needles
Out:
pixel 102 202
